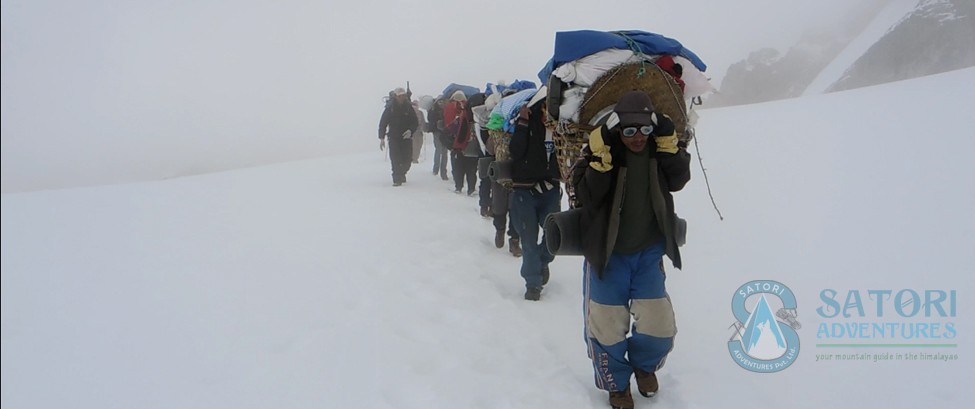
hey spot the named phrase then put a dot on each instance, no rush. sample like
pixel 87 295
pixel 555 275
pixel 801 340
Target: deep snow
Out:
pixel 316 284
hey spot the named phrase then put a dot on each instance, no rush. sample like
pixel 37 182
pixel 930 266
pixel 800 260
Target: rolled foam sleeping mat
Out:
pixel 500 170
pixel 483 164
pixel 562 234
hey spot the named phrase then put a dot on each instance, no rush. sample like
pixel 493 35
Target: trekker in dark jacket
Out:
pixel 624 185
pixel 437 127
pixel 484 150
pixel 400 119
pixel 536 192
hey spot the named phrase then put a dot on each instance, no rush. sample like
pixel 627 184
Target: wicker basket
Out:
pixel 666 95
pixel 568 146
pixel 501 141
pixel 502 153
pixel 663 90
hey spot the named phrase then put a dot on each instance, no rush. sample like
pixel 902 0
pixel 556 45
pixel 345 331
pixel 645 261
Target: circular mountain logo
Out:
pixel 764 341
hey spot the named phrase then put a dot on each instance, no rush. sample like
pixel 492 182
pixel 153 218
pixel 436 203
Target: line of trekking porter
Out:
pixel 608 128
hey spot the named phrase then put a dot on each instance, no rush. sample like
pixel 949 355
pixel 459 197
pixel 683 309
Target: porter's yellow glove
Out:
pixel 666 135
pixel 601 151
pixel 666 143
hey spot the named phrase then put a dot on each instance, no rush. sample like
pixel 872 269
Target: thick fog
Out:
pixel 108 91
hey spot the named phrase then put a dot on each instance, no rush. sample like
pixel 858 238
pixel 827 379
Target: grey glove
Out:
pixel 407 134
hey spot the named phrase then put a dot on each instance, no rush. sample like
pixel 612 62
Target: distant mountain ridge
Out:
pixel 932 37
pixel 938 36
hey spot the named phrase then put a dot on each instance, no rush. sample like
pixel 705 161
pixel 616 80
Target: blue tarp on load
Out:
pixel 489 88
pixel 468 90
pixel 573 45
pixel 516 86
pixel 509 106
pixel 520 85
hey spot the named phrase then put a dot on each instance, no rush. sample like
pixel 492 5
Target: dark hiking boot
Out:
pixel 646 382
pixel 444 176
pixel 621 400
pixel 535 294
pixel 470 193
pixel 514 247
pixel 486 212
pixel 397 183
pixel 545 274
pixel 499 239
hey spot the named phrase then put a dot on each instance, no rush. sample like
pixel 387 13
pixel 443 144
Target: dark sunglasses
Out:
pixel 631 131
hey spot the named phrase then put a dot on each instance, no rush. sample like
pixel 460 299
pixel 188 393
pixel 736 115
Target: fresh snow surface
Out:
pixel 889 17
pixel 316 284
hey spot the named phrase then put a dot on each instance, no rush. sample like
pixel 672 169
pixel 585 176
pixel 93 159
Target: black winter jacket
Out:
pixel 398 118
pixel 530 161
pixel 600 195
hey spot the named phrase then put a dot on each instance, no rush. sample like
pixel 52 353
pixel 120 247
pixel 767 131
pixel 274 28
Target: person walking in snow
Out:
pixel 398 122
pixel 437 128
pixel 459 124
pixel 484 150
pixel 500 206
pixel 500 193
pixel 418 133
pixel 623 186
pixel 536 192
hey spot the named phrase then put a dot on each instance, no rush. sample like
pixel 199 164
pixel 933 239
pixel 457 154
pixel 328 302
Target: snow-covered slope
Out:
pixel 315 284
pixel 895 11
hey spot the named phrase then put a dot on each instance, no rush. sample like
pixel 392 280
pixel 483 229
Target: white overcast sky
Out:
pixel 238 82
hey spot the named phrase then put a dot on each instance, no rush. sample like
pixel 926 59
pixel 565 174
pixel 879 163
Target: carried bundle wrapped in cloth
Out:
pixel 501 125
pixel 591 70
pixel 468 90
pixel 503 115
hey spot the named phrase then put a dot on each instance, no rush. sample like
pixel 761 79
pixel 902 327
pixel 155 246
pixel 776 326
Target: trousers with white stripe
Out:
pixel 631 285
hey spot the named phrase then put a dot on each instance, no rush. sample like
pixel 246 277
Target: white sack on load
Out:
pixel 571 102
pixel 695 82
pixel 586 70
pixel 482 114
pixel 492 100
